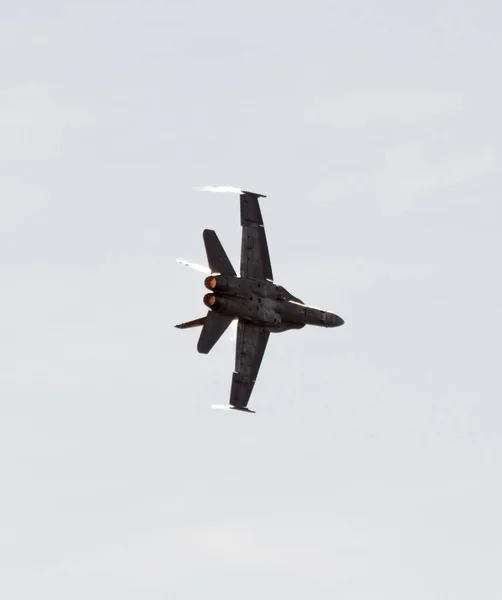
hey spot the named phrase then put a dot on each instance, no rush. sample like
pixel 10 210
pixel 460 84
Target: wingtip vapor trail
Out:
pixel 194 266
pixel 219 188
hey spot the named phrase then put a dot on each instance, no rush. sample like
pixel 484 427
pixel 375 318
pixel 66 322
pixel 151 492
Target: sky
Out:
pixel 371 469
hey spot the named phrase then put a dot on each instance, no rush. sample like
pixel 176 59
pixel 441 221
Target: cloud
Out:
pixel 17 201
pixel 9 33
pixel 315 548
pixel 352 273
pixel 33 122
pixel 362 274
pixel 344 186
pixel 362 108
pixel 406 175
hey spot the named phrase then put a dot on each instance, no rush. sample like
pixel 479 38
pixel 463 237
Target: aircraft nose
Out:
pixel 336 321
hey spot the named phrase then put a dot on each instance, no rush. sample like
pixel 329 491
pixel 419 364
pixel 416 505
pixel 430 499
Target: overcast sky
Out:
pixel 371 470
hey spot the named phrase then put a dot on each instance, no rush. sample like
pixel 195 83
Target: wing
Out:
pixel 255 258
pixel 250 348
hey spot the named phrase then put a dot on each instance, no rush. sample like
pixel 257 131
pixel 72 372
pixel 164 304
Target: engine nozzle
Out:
pixel 210 300
pixel 210 282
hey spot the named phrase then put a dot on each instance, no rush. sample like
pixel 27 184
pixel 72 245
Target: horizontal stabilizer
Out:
pixel 214 327
pixel 196 323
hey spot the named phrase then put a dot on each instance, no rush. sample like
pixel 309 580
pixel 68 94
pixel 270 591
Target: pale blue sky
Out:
pixel 371 469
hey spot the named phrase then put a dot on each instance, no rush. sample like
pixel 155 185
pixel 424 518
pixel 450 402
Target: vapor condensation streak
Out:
pixel 219 188
pixel 194 266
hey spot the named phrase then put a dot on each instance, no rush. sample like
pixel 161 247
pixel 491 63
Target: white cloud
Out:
pixel 408 172
pixel 352 273
pixel 33 122
pixel 33 126
pixel 362 274
pixel 344 186
pixel 17 201
pixel 313 547
pixel 360 108
pixel 406 175
pixel 9 32
pixel 323 550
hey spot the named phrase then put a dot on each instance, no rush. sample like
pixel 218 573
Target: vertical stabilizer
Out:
pixel 217 258
pixel 214 327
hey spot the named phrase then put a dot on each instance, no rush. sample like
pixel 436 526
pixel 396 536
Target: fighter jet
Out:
pixel 259 305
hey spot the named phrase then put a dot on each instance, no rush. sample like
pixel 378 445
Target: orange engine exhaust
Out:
pixel 210 300
pixel 210 282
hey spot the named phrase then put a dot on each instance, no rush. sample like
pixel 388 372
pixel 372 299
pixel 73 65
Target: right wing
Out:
pixel 255 258
pixel 249 351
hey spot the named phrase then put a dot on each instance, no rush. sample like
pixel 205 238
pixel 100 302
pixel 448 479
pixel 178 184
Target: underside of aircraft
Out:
pixel 251 299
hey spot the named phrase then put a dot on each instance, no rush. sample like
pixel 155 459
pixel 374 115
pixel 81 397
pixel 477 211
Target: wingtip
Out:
pixel 243 193
pixel 242 409
pixel 231 407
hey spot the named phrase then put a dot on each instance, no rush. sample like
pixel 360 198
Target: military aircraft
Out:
pixel 259 305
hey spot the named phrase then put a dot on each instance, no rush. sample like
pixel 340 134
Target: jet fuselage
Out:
pixel 263 303
pixel 259 306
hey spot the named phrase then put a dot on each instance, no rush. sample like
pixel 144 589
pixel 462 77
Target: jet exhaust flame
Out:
pixel 207 271
pixel 219 188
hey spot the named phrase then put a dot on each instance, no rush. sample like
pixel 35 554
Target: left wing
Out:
pixel 249 351
pixel 255 258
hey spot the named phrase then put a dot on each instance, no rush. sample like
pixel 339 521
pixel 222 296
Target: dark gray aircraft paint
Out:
pixel 261 306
